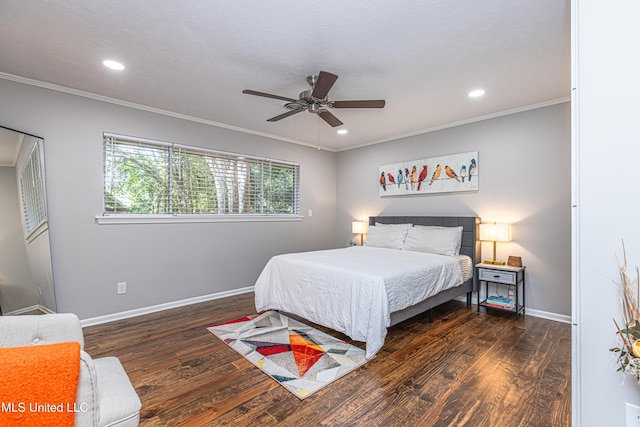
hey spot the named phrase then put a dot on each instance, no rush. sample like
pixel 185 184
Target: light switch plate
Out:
pixel 633 415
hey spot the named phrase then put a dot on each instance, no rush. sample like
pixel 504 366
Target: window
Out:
pixel 34 203
pixel 153 178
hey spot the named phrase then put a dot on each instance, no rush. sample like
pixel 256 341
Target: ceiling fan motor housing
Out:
pixel 306 96
pixel 306 101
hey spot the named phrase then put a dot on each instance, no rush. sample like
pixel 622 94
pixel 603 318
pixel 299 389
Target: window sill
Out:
pixel 176 219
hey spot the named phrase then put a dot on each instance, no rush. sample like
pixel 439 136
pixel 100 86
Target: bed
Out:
pixel 363 290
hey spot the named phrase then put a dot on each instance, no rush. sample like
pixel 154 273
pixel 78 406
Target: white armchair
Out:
pixel 104 389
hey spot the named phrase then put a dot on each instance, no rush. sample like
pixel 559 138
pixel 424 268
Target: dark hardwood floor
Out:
pixel 464 369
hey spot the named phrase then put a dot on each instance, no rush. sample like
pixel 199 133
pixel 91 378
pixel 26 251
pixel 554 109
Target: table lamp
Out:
pixel 495 233
pixel 359 227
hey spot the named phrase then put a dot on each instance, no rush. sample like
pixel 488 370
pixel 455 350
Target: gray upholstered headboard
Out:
pixel 470 243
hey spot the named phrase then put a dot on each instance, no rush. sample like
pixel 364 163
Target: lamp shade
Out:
pixel 495 232
pixel 359 227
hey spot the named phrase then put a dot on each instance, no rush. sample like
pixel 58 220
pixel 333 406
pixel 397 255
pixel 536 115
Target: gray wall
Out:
pixel 524 163
pixel 16 285
pixel 160 262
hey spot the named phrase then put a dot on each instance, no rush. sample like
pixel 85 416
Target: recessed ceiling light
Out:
pixel 476 93
pixel 342 131
pixel 114 65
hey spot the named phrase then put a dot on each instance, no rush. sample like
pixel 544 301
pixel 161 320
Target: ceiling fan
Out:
pixel 315 100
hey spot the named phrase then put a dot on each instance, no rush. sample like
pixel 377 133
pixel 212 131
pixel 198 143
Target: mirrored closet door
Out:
pixel 26 277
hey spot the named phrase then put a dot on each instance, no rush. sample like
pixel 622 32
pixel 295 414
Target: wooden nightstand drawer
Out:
pixel 497 276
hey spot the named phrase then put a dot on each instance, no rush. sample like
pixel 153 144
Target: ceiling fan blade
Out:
pixel 268 95
pixel 330 118
pixel 323 84
pixel 373 103
pixel 285 115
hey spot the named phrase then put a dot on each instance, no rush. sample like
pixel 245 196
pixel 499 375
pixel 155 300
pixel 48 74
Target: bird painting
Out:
pixel 451 174
pixel 472 168
pixel 423 176
pixel 414 178
pixel 436 174
pixel 391 178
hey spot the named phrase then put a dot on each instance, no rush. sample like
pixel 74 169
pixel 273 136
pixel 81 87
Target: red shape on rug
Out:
pixel 305 352
pixel 274 349
pixel 268 348
pixel 240 320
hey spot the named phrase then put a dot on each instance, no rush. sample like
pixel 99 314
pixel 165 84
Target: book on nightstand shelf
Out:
pixel 500 302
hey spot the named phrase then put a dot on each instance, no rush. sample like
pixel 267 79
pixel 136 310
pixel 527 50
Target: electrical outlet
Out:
pixel 633 415
pixel 122 288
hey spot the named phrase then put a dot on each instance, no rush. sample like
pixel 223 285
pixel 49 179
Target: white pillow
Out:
pixel 435 240
pixel 387 236
pixel 379 224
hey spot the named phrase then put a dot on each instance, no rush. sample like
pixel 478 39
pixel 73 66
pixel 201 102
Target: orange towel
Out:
pixel 38 384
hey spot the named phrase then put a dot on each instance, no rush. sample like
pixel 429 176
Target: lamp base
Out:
pixel 493 262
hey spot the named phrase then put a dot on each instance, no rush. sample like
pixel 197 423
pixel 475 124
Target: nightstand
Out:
pixel 505 278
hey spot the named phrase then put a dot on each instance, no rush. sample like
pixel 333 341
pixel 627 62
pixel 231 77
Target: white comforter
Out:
pixel 353 290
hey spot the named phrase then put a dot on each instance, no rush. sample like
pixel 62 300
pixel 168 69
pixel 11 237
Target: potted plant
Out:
pixel 628 351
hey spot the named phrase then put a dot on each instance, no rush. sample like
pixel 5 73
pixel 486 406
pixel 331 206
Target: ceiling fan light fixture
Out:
pixel 476 93
pixel 294 106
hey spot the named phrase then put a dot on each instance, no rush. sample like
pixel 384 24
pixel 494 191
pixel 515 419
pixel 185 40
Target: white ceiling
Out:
pixel 194 58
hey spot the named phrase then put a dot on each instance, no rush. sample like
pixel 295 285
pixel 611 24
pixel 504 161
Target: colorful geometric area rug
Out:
pixel 299 357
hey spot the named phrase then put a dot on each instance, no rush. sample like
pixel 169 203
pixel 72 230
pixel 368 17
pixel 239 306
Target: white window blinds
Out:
pixel 150 177
pixel 34 203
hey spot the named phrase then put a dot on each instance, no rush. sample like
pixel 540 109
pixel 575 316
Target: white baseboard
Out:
pixel 46 310
pixel 563 318
pixel 159 307
pixel 36 307
pixel 22 310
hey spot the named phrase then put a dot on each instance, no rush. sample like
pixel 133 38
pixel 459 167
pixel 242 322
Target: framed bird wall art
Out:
pixel 445 174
